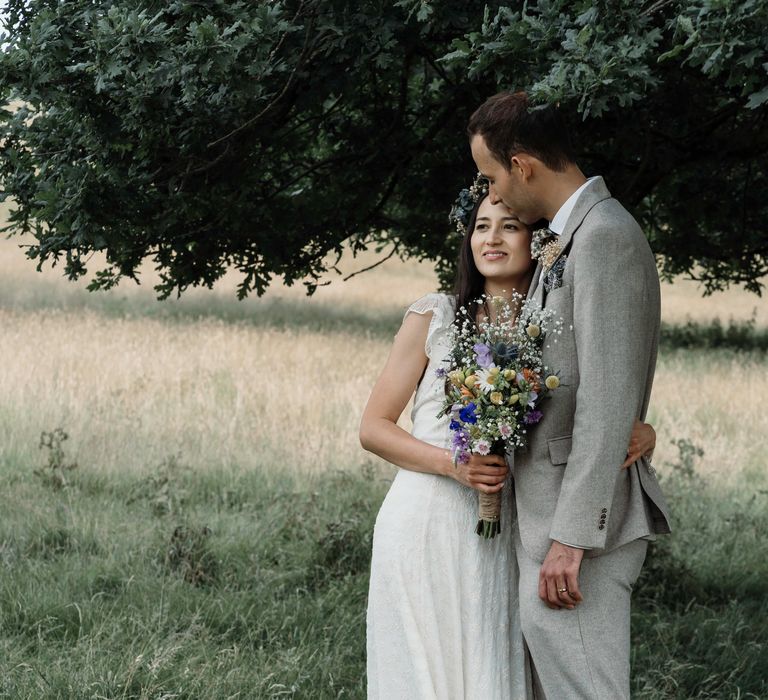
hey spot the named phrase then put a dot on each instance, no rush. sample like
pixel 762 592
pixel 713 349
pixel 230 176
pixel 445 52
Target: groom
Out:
pixel 583 523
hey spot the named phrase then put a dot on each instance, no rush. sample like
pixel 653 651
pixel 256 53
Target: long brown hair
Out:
pixel 470 283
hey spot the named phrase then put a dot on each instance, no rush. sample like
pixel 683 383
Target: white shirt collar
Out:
pixel 559 220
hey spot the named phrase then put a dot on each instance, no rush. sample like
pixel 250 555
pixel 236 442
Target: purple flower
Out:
pixel 483 354
pixel 467 414
pixel 460 439
pixel 462 456
pixel 455 425
pixel 533 417
pixel 441 372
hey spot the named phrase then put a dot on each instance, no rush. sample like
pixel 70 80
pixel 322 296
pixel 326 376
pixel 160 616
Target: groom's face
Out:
pixel 508 187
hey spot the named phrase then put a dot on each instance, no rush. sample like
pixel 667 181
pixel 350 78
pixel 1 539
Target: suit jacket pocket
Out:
pixel 559 449
pixel 560 298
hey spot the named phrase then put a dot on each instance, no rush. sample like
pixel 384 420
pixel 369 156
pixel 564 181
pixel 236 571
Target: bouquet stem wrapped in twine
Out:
pixel 489 524
pixel 489 516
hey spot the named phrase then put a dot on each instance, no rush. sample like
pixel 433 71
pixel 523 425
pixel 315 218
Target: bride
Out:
pixel 443 615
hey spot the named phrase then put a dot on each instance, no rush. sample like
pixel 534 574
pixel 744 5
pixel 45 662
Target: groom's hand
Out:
pixel 561 570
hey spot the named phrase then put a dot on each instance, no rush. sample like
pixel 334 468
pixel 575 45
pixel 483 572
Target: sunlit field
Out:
pixel 214 538
pixel 282 380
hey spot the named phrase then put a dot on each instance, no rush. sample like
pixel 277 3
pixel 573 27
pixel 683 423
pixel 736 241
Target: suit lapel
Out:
pixel 534 282
pixel 595 192
pixel 538 293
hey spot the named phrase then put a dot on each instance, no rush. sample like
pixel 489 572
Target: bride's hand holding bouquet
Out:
pixel 485 473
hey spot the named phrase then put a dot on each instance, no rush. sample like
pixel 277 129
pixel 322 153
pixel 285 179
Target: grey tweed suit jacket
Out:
pixel 569 485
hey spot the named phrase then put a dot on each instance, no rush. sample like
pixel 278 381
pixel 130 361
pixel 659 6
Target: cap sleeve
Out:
pixel 441 308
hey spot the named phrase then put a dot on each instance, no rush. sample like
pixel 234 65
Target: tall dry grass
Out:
pixel 131 391
pixel 282 380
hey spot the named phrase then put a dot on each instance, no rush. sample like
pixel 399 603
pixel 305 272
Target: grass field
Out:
pixel 214 538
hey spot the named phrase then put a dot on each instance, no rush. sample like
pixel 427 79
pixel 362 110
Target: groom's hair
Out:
pixel 510 125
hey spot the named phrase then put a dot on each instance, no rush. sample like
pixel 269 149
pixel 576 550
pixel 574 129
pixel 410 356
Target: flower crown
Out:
pixel 465 203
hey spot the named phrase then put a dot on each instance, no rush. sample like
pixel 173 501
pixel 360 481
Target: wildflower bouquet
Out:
pixel 495 385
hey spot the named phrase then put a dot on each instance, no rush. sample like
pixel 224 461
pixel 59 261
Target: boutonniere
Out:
pixel 550 253
pixel 545 247
pixel 553 277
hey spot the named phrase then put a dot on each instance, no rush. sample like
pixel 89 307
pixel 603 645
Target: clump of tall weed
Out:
pixel 683 471
pixel 55 540
pixel 54 473
pixel 344 548
pixel 189 553
pixel 163 489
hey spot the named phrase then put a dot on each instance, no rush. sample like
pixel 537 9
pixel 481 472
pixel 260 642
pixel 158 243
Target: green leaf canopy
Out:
pixel 206 135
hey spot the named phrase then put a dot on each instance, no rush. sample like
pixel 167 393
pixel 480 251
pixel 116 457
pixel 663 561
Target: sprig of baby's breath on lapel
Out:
pixel 550 253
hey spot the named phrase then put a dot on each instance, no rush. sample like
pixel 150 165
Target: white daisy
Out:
pixel 486 378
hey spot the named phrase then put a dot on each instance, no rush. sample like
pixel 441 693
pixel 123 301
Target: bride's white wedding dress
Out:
pixel 443 615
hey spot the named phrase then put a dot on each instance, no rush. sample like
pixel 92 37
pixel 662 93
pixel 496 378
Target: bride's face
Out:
pixel 501 243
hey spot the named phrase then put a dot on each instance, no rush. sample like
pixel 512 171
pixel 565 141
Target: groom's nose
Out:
pixel 493 196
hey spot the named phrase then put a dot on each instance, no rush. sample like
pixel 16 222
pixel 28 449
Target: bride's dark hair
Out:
pixel 470 283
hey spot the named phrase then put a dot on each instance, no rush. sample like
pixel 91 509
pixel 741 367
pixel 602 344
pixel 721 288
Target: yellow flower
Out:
pixel 509 374
pixel 512 400
pixel 494 372
pixel 456 377
pixel 552 381
pixel 497 398
pixel 470 381
pixel 533 330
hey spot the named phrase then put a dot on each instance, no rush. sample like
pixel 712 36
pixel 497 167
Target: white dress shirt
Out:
pixel 559 220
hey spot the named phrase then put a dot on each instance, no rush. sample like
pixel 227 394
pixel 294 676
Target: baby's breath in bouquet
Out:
pixel 495 385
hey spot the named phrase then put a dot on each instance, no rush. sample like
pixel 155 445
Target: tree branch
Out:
pixel 274 102
pixel 656 6
pixel 394 250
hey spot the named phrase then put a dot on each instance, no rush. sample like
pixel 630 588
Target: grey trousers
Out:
pixel 584 652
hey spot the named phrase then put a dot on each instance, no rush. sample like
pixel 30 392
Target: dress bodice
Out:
pixel 430 393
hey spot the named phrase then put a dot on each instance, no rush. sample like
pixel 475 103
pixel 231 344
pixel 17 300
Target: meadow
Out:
pixel 188 511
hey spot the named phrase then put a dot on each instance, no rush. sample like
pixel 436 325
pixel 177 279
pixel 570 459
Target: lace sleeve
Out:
pixel 442 314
